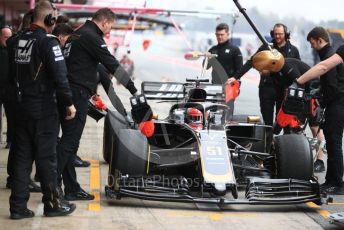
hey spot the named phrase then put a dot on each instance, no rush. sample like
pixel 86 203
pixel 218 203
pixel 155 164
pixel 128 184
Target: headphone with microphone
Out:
pixel 286 31
pixel 50 20
pixel 6 26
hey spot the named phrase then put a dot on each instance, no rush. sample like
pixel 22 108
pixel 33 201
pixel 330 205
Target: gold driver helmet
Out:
pixel 270 60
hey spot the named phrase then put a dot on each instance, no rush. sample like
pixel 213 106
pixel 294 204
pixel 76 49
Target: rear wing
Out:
pixel 215 93
pixel 169 91
pixel 176 91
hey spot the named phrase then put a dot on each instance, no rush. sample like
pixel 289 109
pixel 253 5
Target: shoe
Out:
pixel 79 195
pixel 325 185
pixel 78 162
pixel 319 166
pixel 334 190
pixel 8 145
pixel 58 207
pixel 27 213
pixel 33 187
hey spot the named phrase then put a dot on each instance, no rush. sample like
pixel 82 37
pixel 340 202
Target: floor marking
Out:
pixel 95 186
pixel 323 213
pixel 336 203
pixel 211 215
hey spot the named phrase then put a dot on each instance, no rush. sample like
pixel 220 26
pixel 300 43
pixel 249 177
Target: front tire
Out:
pixel 293 157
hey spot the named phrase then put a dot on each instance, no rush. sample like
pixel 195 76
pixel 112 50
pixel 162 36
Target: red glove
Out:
pixel 232 91
pixel 147 128
pixel 98 102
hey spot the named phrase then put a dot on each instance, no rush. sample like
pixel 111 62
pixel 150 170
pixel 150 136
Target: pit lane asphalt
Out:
pixel 131 213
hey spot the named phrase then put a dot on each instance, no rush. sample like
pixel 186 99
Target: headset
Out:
pixel 5 26
pixel 50 20
pixel 286 31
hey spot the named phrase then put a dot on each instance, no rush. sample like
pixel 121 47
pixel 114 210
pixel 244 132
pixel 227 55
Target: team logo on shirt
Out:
pixel 227 51
pixel 24 51
pixel 66 50
pixel 58 53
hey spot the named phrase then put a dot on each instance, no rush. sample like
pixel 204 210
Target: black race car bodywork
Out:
pixel 207 164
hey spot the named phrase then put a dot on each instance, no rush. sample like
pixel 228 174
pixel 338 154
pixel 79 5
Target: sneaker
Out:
pixel 26 213
pixel 58 207
pixel 79 195
pixel 334 190
pixel 78 162
pixel 319 166
pixel 325 185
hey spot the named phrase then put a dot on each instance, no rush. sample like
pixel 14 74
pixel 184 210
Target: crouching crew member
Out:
pixel 270 90
pixel 40 75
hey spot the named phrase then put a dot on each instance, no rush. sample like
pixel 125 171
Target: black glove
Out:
pixel 140 110
pixel 294 102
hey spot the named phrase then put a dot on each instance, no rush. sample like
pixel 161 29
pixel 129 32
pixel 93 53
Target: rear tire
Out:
pixel 293 157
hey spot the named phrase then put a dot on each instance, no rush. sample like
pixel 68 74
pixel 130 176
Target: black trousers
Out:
pixel 10 165
pixel 7 98
pixel 10 114
pixel 70 139
pixel 9 111
pixel 269 97
pixel 34 140
pixel 333 131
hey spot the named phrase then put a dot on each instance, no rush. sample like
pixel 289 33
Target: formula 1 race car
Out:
pixel 200 154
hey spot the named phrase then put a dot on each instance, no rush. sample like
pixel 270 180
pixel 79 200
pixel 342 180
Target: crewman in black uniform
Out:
pixel 320 42
pixel 331 72
pixel 284 70
pixel 228 60
pixel 270 90
pixel 39 71
pixel 24 26
pixel 84 55
pixel 292 69
pixel 64 33
pixel 229 57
